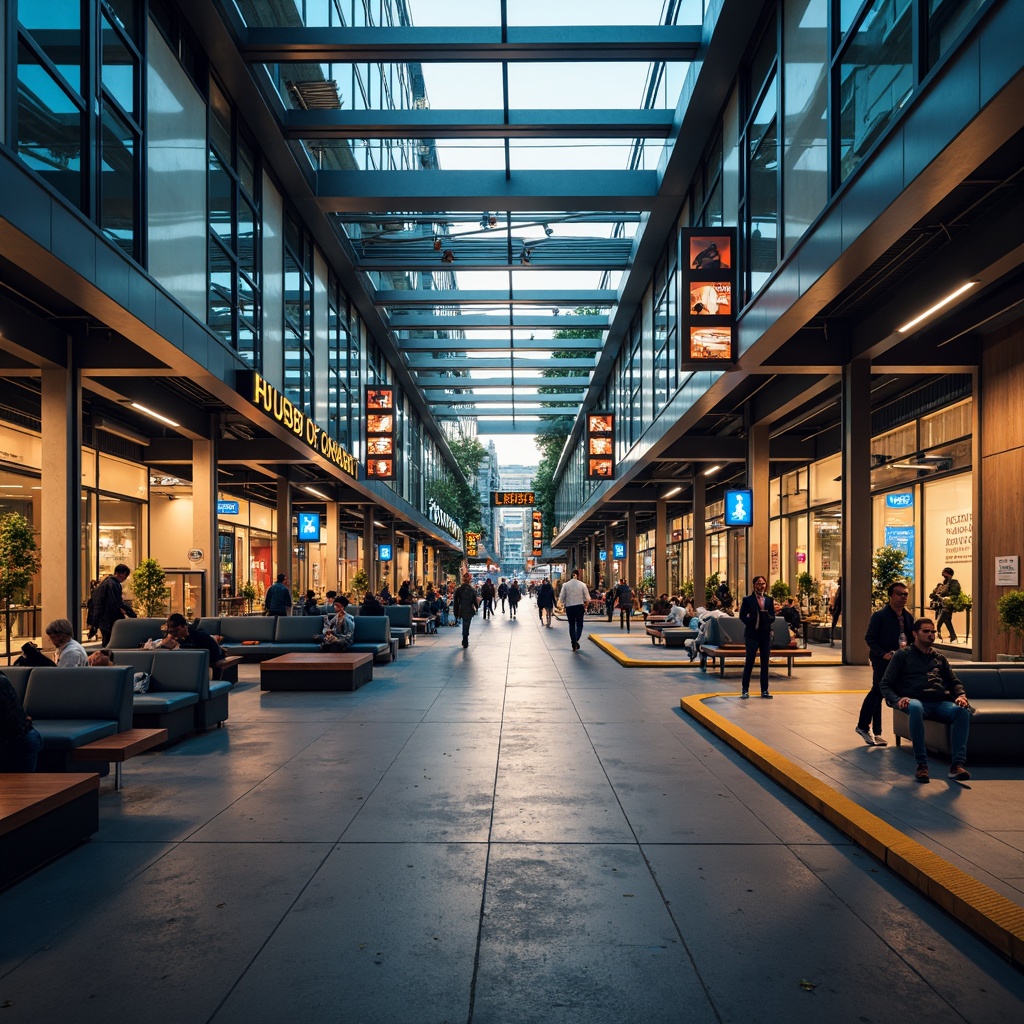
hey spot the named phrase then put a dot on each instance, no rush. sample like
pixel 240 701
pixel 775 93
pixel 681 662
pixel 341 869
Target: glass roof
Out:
pixel 514 148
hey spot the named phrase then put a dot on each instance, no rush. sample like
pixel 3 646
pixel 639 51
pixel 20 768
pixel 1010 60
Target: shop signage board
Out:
pixel 281 410
pixel 600 445
pixel 227 508
pixel 384 552
pixel 739 508
pixel 379 420
pixel 502 498
pixel 538 535
pixel 309 526
pixel 618 551
pixel 1007 570
pixel 902 537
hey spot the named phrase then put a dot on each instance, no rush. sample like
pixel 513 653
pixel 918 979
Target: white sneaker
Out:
pixel 865 736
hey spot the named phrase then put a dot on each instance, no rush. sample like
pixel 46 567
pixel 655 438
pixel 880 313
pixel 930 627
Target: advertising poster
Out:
pixel 902 537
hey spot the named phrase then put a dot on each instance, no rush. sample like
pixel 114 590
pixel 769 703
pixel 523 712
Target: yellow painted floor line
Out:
pixel 977 906
pixel 628 662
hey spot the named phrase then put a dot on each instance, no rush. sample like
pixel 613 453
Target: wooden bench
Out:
pixel 118 748
pixel 671 636
pixel 733 654
pixel 421 624
pixel 316 671
pixel 41 816
pixel 229 669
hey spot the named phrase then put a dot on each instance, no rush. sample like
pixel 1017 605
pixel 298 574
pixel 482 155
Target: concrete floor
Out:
pixel 509 834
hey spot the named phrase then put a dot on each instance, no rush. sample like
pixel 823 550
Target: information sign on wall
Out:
pixel 384 552
pixel 739 508
pixel 227 508
pixel 708 283
pixel 902 537
pixel 538 533
pixel 309 526
pixel 600 446
pixel 618 551
pixel 503 498
pixel 379 419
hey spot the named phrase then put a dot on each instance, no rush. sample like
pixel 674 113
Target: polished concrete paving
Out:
pixel 513 833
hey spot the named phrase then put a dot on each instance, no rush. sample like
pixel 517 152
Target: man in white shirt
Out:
pixel 70 653
pixel 574 597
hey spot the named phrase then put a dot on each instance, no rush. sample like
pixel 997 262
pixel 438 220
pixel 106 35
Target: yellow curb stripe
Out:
pixel 974 904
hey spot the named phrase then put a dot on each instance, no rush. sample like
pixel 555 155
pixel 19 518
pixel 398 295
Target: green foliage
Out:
pixel 710 586
pixel 19 560
pixel 360 581
pixel 1010 608
pixel 648 584
pixel 248 591
pixel 686 589
pixel 806 585
pixel 780 591
pixel 958 603
pixel 886 569
pixel 148 588
pixel 469 454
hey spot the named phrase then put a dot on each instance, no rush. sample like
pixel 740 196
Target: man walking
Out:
pixel 279 597
pixel 948 588
pixel 545 602
pixel 575 597
pixel 503 593
pixel 889 630
pixel 757 613
pixel 624 597
pixel 920 682
pixel 466 603
pixel 106 604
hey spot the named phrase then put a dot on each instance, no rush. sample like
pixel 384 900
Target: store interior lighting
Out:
pixel 146 411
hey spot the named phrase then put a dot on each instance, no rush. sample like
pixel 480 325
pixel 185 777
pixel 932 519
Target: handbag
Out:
pixel 338 645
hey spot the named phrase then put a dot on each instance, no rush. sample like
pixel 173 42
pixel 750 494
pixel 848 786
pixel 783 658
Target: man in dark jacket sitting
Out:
pixel 920 682
pixel 191 638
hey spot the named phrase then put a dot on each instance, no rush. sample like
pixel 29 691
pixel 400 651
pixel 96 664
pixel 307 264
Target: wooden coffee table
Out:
pixel 316 671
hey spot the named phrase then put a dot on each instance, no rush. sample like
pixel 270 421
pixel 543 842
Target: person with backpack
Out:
pixel 107 604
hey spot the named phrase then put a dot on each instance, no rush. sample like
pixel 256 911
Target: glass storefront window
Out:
pixel 120 527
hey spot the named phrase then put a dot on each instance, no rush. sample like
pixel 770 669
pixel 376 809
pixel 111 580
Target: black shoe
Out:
pixel 745 695
pixel 465 643
pixel 767 696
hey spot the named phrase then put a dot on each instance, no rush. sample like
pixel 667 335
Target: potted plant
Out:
pixel 1010 608
pixel 149 589
pixel 360 583
pixel 19 562
pixel 806 586
pixel 960 602
pixel 887 568
pixel 686 590
pixel 248 591
pixel 710 586
pixel 780 591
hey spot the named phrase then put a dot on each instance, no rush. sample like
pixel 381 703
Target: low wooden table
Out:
pixel 41 816
pixel 118 748
pixel 316 671
pixel 229 670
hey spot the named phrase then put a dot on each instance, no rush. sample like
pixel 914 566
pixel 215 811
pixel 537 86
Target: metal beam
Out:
pixel 488 321
pixel 401 45
pixel 519 409
pixel 429 190
pixel 477 124
pixel 433 383
pixel 462 362
pixel 495 345
pixel 494 297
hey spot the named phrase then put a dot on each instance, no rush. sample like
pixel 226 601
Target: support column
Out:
pixel 61 587
pixel 332 549
pixel 369 564
pixel 857 553
pixel 204 518
pixel 609 563
pixel 661 547
pixel 630 573
pixel 418 573
pixel 758 476
pixel 700 540
pixel 393 541
pixel 283 542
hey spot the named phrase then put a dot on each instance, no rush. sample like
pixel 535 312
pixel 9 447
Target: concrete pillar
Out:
pixel 332 549
pixel 369 564
pixel 204 519
pixel 661 547
pixel 609 549
pixel 418 575
pixel 284 541
pixel 857 552
pixel 758 476
pixel 700 541
pixel 392 536
pixel 630 572
pixel 61 588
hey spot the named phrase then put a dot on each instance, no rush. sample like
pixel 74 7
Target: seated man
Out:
pixel 190 638
pixel 20 743
pixel 676 615
pixel 919 681
pixel 70 653
pixel 791 613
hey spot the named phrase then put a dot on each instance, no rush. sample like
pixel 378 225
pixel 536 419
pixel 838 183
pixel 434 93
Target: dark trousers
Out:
pixel 945 617
pixel 760 643
pixel 871 709
pixel 625 617
pixel 488 607
pixel 466 620
pixel 574 616
pixel 611 611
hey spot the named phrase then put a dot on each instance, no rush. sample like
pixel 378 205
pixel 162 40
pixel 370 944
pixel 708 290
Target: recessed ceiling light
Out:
pixel 938 305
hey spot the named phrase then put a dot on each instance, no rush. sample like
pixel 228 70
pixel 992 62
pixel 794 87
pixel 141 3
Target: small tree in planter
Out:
pixel 807 587
pixel 1010 608
pixel 887 568
pixel 248 591
pixel 710 586
pixel 686 590
pixel 360 583
pixel 19 562
pixel 149 588
pixel 780 591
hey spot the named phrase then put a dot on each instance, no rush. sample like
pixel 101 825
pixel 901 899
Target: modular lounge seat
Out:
pixel 402 629
pixel 71 707
pixel 996 692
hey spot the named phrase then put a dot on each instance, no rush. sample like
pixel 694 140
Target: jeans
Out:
pixel 871 708
pixel 466 620
pixel 488 607
pixel 574 616
pixel 956 717
pixel 945 618
pixel 19 754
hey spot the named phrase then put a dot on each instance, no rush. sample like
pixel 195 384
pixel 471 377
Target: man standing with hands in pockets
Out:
pixel 757 613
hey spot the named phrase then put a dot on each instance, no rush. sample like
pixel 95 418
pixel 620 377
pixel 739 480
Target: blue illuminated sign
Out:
pixel 619 550
pixel 384 552
pixel 902 537
pixel 604 556
pixel 227 508
pixel 309 526
pixel 739 508
pixel 904 499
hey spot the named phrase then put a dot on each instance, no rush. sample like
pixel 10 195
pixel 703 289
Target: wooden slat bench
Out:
pixel 119 748
pixel 733 654
pixel 41 816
